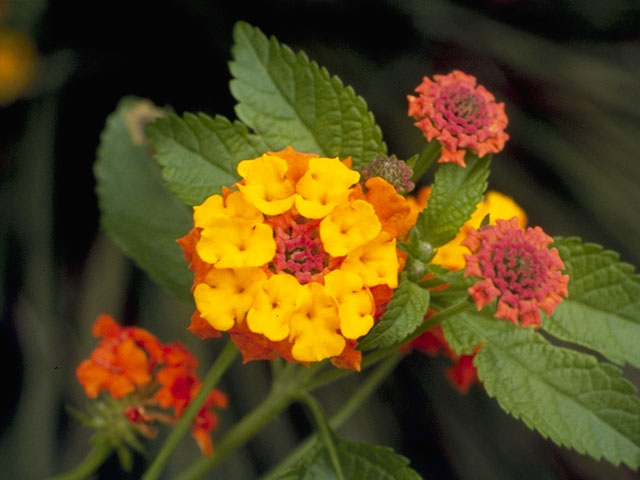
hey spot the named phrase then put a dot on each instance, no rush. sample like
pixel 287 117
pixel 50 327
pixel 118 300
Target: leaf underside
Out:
pixel 138 212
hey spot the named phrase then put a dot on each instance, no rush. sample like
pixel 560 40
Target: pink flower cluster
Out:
pixel 517 267
pixel 460 115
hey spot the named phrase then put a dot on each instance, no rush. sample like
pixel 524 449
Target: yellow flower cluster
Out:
pixel 290 257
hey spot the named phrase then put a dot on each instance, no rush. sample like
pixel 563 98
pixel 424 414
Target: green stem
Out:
pixel 96 457
pixel 363 392
pixel 324 431
pixel 287 384
pixel 429 155
pixel 218 368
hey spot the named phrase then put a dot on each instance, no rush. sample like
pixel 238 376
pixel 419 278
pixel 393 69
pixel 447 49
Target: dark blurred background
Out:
pixel 568 70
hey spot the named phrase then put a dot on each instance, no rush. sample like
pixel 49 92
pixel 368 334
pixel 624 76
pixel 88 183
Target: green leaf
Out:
pixel 137 211
pixel 358 460
pixel 456 193
pixel 199 154
pixel 603 308
pixel 565 395
pixel 404 314
pixel 289 100
pixel 461 338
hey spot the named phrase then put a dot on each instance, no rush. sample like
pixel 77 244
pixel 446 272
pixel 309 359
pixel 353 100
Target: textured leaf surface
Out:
pixel 358 460
pixel 199 154
pixel 404 314
pixel 565 395
pixel 289 100
pixel 137 211
pixel 603 308
pixel 456 192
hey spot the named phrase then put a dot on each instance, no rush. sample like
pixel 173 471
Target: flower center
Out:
pixel 462 110
pixel 516 266
pixel 299 250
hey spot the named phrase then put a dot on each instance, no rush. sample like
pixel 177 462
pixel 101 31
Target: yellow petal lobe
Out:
pixel 273 306
pixel 314 325
pixel 265 184
pixel 233 207
pixel 235 243
pixel 355 302
pixel 376 262
pixel 324 185
pixel 226 295
pixel 348 226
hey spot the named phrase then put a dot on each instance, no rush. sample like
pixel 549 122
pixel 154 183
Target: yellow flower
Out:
pixel 227 295
pixel 497 206
pixel 355 303
pixel 314 325
pixel 234 243
pixel 18 59
pixel 265 184
pixel 233 207
pixel 233 234
pixel 350 225
pixel 375 262
pixel 323 186
pixel 273 306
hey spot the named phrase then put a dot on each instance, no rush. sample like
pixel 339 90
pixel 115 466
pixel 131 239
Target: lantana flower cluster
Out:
pixel 460 114
pixel 296 260
pixel 131 364
pixel 516 267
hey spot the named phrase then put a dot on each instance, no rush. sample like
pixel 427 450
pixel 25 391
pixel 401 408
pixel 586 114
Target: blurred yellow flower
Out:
pixel 18 61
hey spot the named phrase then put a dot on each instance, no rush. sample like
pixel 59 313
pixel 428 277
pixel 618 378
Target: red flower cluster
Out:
pixel 130 360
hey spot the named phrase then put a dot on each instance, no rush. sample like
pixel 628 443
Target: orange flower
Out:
pixel 460 115
pixel 206 421
pixel 180 384
pixel 123 361
pixel 130 360
pixel 177 377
